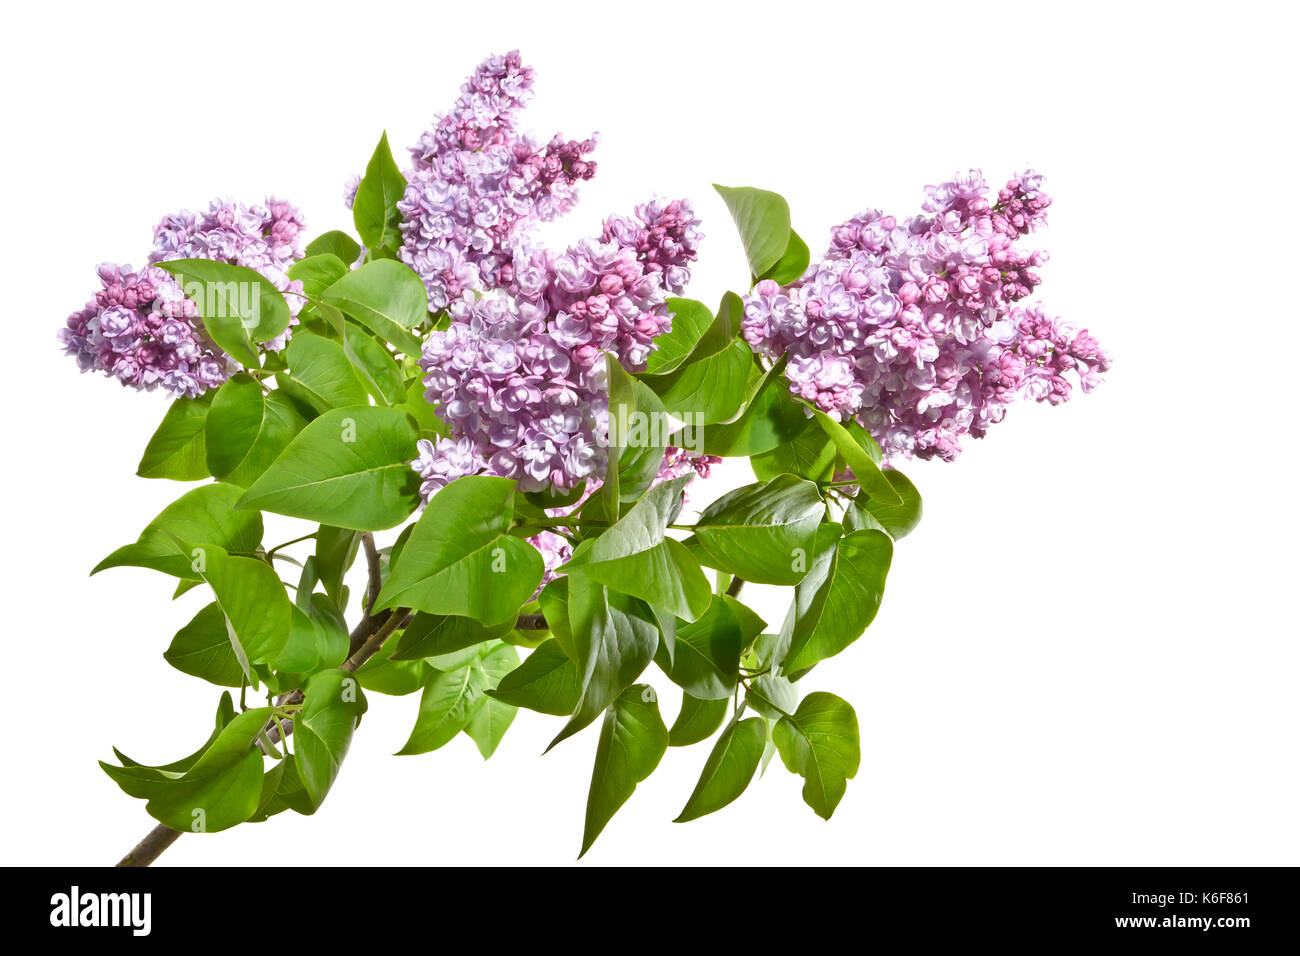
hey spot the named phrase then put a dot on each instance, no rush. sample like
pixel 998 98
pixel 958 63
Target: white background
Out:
pixel 1087 652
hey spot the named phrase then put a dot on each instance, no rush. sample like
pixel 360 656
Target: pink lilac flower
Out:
pixel 142 330
pixel 916 328
pixel 519 375
pixel 478 185
pixel 265 238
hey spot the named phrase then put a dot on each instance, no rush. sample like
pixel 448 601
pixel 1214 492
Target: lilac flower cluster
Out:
pixel 519 375
pixel 478 184
pixel 915 327
pixel 142 330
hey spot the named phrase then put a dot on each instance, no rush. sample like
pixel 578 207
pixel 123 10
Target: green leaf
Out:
pixel 707 660
pixel 763 220
pixel 730 767
pixel 838 599
pixel 809 454
pixel 493 718
pixel 489 725
pixel 865 469
pixel 722 332
pixel 177 449
pixel 460 560
pixel 252 598
pixel 396 678
pixel 895 520
pixel 238 306
pixel 452 698
pixel 335 243
pixel 430 635
pixel 375 366
pixel 633 556
pixel 771 419
pixel 349 468
pixel 633 740
pixel 710 390
pixel 690 320
pixel 318 272
pixel 320 374
pixel 820 743
pixel 336 549
pixel 202 648
pixel 247 430
pixel 792 264
pixel 221 789
pixel 643 453
pixel 547 682
pixel 622 411
pixel 204 515
pixel 332 707
pixel 764 532
pixel 615 637
pixel 422 410
pixel 318 636
pixel 772 696
pixel 387 298
pixel 554 602
pixel 374 210
pixel 696 721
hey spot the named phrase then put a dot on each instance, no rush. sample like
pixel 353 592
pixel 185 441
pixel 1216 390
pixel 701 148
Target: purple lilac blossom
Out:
pixel 916 328
pixel 519 374
pixel 142 330
pixel 478 185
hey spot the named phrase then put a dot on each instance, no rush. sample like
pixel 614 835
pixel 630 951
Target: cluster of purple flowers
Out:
pixel 519 373
pixel 478 184
pixel 914 327
pixel 140 327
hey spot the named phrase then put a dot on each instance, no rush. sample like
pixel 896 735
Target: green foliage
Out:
pixel 633 556
pixel 374 210
pixel 547 682
pixel 320 373
pixel 349 468
pixel 896 520
pixel 460 560
pixel 633 739
pixel 337 244
pixel 764 532
pixel 452 698
pixel 177 449
pixel 323 730
pixel 819 741
pixel 239 307
pixel 763 220
pixel 204 515
pixel 387 298
pixel 838 598
pixel 697 720
pixel 246 430
pixel 730 767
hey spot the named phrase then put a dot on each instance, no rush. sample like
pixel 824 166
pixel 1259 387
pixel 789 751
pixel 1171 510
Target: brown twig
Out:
pixel 151 847
pixel 372 564
pixel 371 640
pixel 733 589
